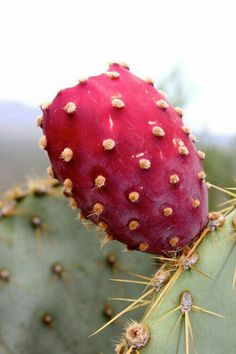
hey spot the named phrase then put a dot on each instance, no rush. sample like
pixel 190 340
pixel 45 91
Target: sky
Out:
pixel 48 45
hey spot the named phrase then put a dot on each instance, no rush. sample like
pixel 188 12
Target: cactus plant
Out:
pixel 54 286
pixel 127 160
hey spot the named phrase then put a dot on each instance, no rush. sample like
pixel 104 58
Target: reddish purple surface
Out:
pixel 95 120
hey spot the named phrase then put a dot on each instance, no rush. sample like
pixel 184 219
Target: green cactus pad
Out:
pixel 54 281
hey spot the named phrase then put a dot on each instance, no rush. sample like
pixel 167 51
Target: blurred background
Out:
pixel 186 46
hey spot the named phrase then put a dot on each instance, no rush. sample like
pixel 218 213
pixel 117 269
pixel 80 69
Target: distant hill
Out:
pixel 17 119
pixel 20 156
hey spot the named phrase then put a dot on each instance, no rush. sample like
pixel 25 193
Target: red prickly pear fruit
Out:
pixel 125 158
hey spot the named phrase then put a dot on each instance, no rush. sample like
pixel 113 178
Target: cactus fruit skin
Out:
pixel 216 294
pixel 131 162
pixel 56 292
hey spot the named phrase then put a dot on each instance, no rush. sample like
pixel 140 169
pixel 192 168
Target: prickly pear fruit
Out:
pixel 125 157
pixel 52 284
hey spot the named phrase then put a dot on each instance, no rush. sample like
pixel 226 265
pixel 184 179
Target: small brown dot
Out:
pixel 174 179
pixel 57 269
pixel 112 74
pixel 70 107
pixel 108 311
pixel 111 259
pixel 143 246
pixel 173 241
pixel 134 197
pixel 195 203
pixel 43 142
pixel 193 138
pixel 186 130
pixel 73 203
pixel 68 185
pixel 4 274
pixel 47 320
pixel 100 181
pixel 183 150
pixel 201 175
pixel 66 154
pixel 158 131
pixel 36 222
pixel 117 102
pixel 108 144
pixel 39 121
pixel 98 208
pixel 162 104
pixel 179 111
pixel 167 211
pixel 144 164
pixel 163 94
pixel 50 172
pixel 149 80
pixel 133 225
pixel 201 154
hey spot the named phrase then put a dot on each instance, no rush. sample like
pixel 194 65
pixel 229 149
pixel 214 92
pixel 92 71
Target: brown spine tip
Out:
pixel 174 179
pixel 193 138
pixel 167 211
pixel 117 103
pixel 70 107
pixel 73 203
pixel 144 164
pixel 50 172
pixel 201 175
pixel 108 144
pixel 43 142
pixel 183 150
pixel 234 222
pixel 137 335
pixel 173 241
pixel 112 74
pixel 82 80
pixel 133 197
pixel 100 181
pixel 143 246
pixel 158 131
pixel 98 208
pixel 163 94
pixel 186 130
pixel 195 203
pixel 179 111
pixel 45 105
pixel 162 104
pixel 68 185
pixel 66 154
pixel 149 80
pixel 201 154
pixel 133 225
pixel 39 121
pixel 120 348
